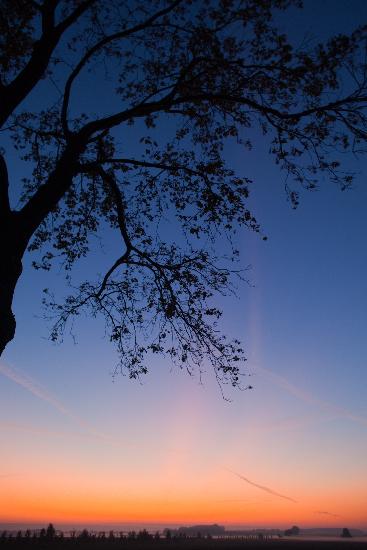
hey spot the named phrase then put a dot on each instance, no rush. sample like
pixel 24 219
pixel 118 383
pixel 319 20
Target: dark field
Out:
pixel 187 544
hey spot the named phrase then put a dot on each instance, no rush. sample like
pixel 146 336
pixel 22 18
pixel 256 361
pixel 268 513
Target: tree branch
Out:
pixel 15 92
pixel 4 189
pixel 159 165
pixel 47 196
pixel 265 109
pixel 167 102
pixel 110 180
pixel 97 47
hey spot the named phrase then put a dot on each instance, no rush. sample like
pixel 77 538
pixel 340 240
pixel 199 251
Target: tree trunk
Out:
pixel 10 271
pixel 12 246
pixel 8 280
pixel 17 228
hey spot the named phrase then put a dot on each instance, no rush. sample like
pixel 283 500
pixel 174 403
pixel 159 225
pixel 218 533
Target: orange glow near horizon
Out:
pixel 183 476
pixel 217 500
pixel 81 446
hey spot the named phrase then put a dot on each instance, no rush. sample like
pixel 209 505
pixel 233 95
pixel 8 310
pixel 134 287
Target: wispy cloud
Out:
pixel 263 487
pixel 40 430
pixel 239 500
pixel 85 436
pixel 293 423
pixel 327 514
pixel 39 391
pixel 34 387
pixel 22 379
pixel 307 397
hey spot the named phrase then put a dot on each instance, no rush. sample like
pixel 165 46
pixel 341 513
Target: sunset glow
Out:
pixel 187 467
pixel 80 446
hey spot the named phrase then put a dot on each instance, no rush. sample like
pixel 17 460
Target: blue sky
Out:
pixel 301 430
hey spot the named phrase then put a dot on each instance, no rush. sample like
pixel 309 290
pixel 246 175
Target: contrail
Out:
pixel 307 397
pixel 327 514
pixel 248 501
pixel 262 487
pixel 36 430
pixel 39 391
pixel 31 385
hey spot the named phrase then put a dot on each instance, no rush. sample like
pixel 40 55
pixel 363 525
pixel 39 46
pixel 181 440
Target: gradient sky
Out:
pixel 80 446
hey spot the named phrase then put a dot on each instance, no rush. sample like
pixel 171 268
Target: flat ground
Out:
pixel 191 544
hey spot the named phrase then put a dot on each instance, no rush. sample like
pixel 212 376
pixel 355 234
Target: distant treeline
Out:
pixel 199 537
pixel 51 535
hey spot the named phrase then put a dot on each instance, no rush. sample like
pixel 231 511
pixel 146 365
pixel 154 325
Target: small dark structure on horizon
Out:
pixel 292 531
pixel 346 534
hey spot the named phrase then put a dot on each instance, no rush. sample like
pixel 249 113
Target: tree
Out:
pixel 182 79
pixel 84 535
pixel 292 531
pixel 50 531
pixel 346 533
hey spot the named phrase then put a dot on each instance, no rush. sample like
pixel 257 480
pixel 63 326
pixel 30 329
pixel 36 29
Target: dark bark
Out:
pixel 12 241
pixel 10 271
pixel 17 228
pixel 48 195
pixel 12 249
pixel 12 95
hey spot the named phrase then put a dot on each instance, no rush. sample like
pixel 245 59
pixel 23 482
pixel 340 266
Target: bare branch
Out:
pixel 15 92
pixel 139 111
pixel 47 196
pixel 158 165
pixel 98 47
pixel 4 189
pixel 215 99
pixel 111 182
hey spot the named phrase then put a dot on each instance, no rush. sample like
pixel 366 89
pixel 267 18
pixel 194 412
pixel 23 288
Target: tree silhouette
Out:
pixel 50 531
pixel 295 530
pixel 84 535
pixel 181 79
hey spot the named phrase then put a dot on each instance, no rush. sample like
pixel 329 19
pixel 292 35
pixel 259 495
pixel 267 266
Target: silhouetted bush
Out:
pixel 292 531
pixel 50 531
pixel 84 535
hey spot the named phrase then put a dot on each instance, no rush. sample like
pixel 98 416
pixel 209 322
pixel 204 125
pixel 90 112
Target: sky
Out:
pixel 81 447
